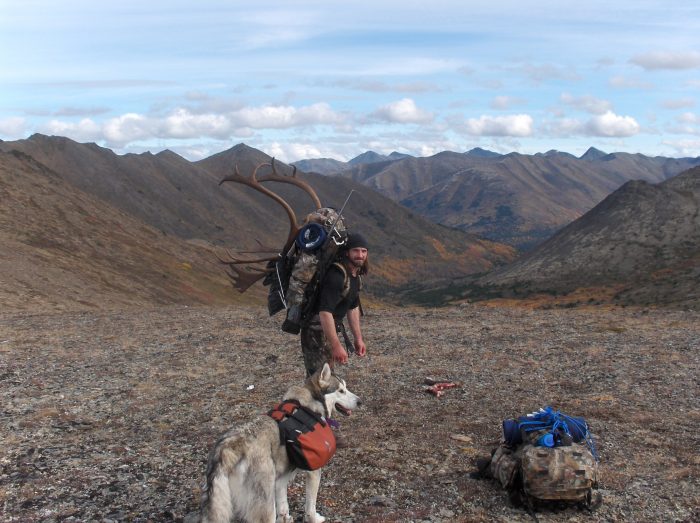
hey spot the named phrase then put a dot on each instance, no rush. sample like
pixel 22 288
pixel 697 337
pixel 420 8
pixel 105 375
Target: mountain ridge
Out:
pixel 514 198
pixel 183 201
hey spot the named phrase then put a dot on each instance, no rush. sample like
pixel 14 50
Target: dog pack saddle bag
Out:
pixel 558 474
pixel 308 438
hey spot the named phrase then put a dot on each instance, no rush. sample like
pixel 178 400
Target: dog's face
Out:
pixel 336 395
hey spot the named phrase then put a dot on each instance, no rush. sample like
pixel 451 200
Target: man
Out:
pixel 338 297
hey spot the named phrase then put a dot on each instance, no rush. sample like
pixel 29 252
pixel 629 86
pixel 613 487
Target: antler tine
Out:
pixel 274 177
pixel 242 280
pixel 253 182
pixel 234 260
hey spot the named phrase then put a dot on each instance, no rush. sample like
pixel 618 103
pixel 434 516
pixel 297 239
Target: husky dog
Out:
pixel 248 470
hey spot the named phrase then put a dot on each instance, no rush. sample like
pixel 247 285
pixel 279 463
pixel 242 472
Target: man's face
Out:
pixel 357 256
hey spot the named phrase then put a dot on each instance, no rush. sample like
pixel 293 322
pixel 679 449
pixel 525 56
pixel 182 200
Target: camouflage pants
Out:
pixel 315 348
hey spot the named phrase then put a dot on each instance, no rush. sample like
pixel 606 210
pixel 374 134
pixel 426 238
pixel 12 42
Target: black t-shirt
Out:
pixel 331 297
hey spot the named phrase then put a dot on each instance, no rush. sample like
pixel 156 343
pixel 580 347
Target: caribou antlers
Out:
pixel 243 278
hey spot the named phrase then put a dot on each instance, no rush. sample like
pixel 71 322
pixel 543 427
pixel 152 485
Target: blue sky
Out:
pixel 312 79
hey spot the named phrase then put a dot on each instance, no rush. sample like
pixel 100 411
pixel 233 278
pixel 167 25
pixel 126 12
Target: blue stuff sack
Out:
pixel 511 433
pixel 561 427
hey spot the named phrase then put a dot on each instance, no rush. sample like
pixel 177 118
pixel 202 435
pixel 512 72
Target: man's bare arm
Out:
pixel 354 322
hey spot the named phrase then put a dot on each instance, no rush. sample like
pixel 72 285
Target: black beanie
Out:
pixel 356 240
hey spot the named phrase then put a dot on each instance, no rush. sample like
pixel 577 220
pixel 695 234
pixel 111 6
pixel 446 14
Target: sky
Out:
pixel 328 79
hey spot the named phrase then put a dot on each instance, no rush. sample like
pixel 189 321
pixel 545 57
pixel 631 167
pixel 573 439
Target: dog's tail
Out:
pixel 217 505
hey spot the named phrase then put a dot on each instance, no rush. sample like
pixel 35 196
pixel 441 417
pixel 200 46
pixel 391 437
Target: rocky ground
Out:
pixel 108 416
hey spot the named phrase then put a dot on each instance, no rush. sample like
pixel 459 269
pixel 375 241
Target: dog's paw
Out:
pixel 284 518
pixel 314 518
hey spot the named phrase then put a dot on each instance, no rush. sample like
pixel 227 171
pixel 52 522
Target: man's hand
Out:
pixel 339 354
pixel 360 348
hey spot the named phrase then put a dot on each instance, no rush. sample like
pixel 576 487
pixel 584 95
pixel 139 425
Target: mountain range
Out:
pixel 89 207
pixel 513 198
pixel 639 246
pixel 83 227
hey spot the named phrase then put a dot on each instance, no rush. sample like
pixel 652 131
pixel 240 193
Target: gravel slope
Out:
pixel 108 416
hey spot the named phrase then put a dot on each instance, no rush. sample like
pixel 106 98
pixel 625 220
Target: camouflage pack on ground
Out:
pixel 545 474
pixel 559 473
pixel 546 456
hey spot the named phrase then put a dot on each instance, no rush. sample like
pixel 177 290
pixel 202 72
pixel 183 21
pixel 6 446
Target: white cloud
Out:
pixel 284 117
pixel 511 125
pixel 12 127
pixel 403 111
pixel 667 60
pixel 183 124
pixel 612 125
pixel 127 128
pixel 291 152
pixel 587 103
pixel 563 127
pixel 690 148
pixel 83 131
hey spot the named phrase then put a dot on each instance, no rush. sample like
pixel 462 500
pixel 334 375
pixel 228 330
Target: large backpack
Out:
pixel 295 281
pixel 295 272
pixel 547 457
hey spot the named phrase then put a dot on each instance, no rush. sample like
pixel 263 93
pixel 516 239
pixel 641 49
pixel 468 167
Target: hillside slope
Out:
pixel 644 236
pixel 64 249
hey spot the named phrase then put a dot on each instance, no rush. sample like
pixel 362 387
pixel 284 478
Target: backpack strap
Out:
pixel 346 279
pixel 283 410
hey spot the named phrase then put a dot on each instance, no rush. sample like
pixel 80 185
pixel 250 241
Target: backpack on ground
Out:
pixel 546 457
pixel 567 473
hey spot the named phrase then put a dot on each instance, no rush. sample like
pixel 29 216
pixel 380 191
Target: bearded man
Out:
pixel 339 296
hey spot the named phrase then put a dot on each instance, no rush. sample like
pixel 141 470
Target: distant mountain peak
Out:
pixel 593 154
pixel 395 155
pixel 478 152
pixel 368 157
pixel 553 153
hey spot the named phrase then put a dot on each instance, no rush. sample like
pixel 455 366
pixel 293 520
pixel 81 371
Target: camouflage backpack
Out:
pixel 546 461
pixel 294 272
pixel 559 473
pixel 315 250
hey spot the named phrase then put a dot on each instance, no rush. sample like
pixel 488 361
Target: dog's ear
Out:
pixel 325 378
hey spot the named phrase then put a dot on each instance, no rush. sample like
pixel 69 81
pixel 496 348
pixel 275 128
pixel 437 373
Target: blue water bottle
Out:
pixel 546 440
